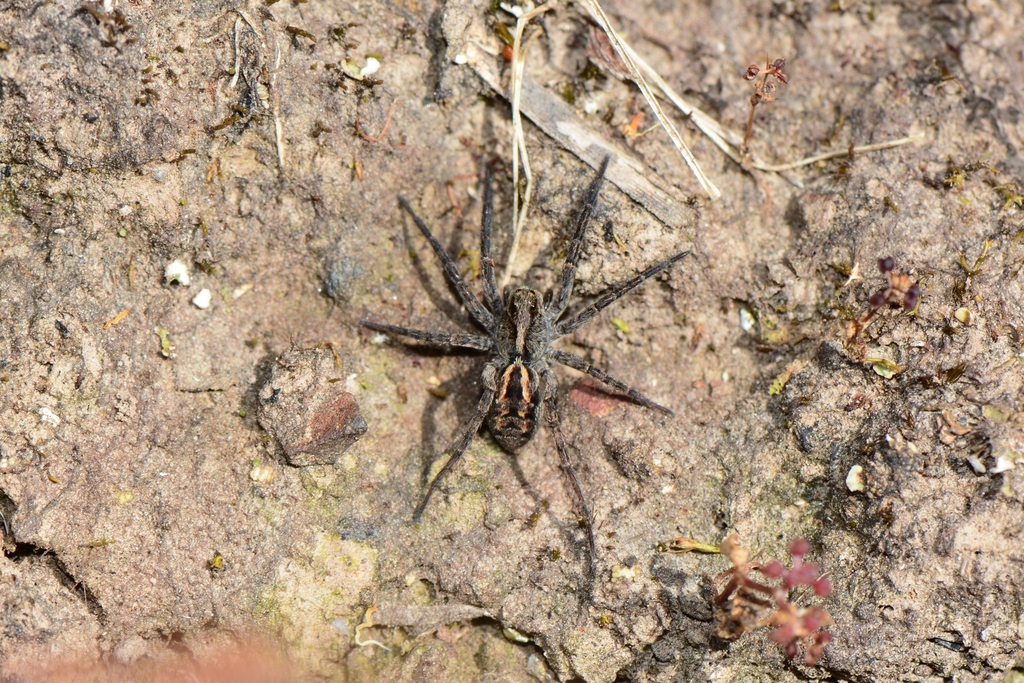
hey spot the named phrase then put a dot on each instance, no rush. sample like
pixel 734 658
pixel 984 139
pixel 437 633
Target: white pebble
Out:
pixel 747 320
pixel 460 59
pixel 242 290
pixel 202 299
pixel 590 106
pixel 514 10
pixel 378 339
pixel 48 416
pixel 514 635
pixel 1003 464
pixel 177 271
pixel 855 479
pixel 371 67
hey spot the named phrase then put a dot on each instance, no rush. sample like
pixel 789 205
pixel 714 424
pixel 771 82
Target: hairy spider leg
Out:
pixel 574 361
pixel 476 309
pixel 491 296
pixel 458 447
pixel 583 317
pixel 561 300
pixel 555 425
pixel 459 339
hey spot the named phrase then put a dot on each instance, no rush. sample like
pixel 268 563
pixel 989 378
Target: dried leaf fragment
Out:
pixel 116 319
pixel 883 367
pixel 166 347
pixel 779 383
pixel 686 545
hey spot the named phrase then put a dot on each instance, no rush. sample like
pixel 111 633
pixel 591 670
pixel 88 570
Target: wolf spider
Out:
pixel 520 327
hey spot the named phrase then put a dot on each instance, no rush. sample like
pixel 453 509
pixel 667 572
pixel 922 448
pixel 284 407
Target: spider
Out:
pixel 520 325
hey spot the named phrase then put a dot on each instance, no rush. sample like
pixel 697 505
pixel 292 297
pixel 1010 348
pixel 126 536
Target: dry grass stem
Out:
pixel 730 141
pixel 807 161
pixel 518 138
pixel 598 15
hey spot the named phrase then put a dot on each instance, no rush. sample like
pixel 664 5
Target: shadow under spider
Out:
pixel 442 303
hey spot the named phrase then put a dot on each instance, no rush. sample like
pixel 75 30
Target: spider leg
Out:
pixel 555 425
pixel 574 361
pixel 476 309
pixel 461 443
pixel 561 300
pixel 466 341
pixel 583 317
pixel 491 295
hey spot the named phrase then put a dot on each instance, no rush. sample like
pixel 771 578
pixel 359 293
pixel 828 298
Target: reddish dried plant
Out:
pixel 764 89
pixel 900 290
pixel 744 603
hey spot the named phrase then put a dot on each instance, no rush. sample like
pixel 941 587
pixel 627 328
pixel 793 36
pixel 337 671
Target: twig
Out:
pixel 519 139
pixel 383 131
pixel 238 55
pixel 258 32
pixel 597 13
pixel 561 122
pixel 728 140
pixel 806 161
pixel 277 106
pixel 116 319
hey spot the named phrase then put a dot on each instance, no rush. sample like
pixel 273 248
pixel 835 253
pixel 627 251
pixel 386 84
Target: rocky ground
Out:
pixel 175 478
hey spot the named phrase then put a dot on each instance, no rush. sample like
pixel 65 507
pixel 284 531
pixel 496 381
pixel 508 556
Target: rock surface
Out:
pixel 305 407
pixel 151 509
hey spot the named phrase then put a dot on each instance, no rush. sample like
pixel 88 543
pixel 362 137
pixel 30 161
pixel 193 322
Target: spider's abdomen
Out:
pixel 515 411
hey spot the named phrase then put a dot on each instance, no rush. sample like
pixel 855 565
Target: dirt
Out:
pixel 158 503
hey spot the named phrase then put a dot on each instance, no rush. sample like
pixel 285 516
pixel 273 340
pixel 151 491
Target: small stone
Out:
pixel 747 320
pixel 242 290
pixel 202 299
pixel 621 572
pixel 963 315
pixel 460 59
pixel 514 10
pixel 855 479
pixel 1003 464
pixel 177 271
pixel 262 473
pixel 313 418
pixel 976 465
pixel 536 667
pixel 372 64
pixel 514 635
pixel 48 416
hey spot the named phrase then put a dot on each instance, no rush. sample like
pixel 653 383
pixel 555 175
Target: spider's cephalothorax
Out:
pixel 519 385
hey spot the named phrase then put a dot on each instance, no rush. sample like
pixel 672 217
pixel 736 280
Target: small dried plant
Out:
pixel 900 290
pixel 744 603
pixel 764 89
